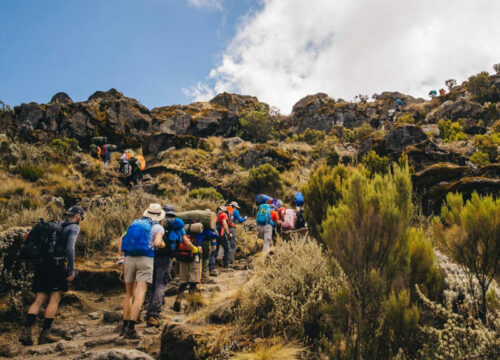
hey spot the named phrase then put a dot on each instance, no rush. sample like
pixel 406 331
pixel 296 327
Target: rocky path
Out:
pixel 87 321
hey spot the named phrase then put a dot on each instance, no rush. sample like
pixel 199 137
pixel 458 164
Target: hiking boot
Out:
pixel 177 306
pixel 153 322
pixel 46 337
pixel 119 329
pixel 26 336
pixel 213 273
pixel 132 334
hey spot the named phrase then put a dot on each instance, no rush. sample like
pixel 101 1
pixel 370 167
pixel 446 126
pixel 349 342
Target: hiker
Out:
pixel 124 163
pixel 106 151
pixel 234 218
pixel 162 267
pixel 223 240
pixel 442 92
pixel 52 273
pixel 188 254
pixel 138 247
pixel 399 104
pixel 265 224
pixel 208 241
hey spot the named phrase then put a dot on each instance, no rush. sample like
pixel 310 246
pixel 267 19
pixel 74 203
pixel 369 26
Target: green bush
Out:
pixel 472 238
pixel 265 179
pixel 288 290
pixel 257 125
pixel 205 193
pixel 376 164
pixel 322 191
pixel 369 232
pixel 343 134
pixel 481 88
pixel 450 131
pixel 406 119
pixel 31 172
pixel 311 136
pixel 480 158
pixel 332 158
pixel 65 146
pixel 362 132
pixel 488 143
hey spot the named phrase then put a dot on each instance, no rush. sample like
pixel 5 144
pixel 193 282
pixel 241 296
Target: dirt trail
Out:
pixel 88 319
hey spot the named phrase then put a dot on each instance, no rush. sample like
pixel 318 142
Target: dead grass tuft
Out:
pixel 277 351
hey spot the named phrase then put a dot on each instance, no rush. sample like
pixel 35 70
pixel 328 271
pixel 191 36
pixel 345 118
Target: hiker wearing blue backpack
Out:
pixel 234 218
pixel 138 246
pixel 265 224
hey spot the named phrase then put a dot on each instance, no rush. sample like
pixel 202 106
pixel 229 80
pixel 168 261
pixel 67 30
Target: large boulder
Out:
pixel 461 108
pixel 394 142
pixel 427 153
pixel 438 173
pixel 178 342
pixel 434 199
pixel 320 112
pixel 261 154
pixel 217 117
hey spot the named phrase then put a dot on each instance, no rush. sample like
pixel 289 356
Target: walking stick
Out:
pixel 199 271
pixel 245 230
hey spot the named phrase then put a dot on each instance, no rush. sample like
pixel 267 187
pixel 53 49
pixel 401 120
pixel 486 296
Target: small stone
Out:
pixel 215 288
pixel 66 347
pixel 43 350
pixel 80 323
pixel 112 316
pixel 94 315
pixel 145 344
pixel 151 331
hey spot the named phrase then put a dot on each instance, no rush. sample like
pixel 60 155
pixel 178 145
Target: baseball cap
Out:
pixel 169 210
pixel 75 209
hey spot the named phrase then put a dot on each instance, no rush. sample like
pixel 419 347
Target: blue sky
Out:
pixel 148 49
pixel 165 52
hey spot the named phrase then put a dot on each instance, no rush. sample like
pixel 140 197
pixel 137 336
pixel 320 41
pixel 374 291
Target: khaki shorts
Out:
pixel 188 272
pixel 138 268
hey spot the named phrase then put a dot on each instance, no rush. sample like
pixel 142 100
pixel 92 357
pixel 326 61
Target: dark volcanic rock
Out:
pixel 437 173
pixel 261 154
pixel 434 199
pixel 454 110
pixel 61 98
pixel 178 342
pixel 428 153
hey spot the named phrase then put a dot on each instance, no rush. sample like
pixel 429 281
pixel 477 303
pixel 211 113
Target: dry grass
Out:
pixel 277 351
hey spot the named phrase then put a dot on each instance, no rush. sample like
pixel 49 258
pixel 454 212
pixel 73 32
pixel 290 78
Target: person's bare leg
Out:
pixel 54 299
pixel 127 303
pixel 37 304
pixel 139 293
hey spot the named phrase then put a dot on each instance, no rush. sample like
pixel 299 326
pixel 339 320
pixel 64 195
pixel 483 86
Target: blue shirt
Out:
pixel 237 218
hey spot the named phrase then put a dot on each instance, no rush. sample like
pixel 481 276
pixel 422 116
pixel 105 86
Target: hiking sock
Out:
pixel 30 320
pixel 182 288
pixel 47 323
pixel 131 325
pixel 125 323
pixel 192 286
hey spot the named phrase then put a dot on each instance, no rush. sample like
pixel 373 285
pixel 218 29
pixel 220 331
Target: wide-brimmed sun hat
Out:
pixel 234 204
pixel 155 212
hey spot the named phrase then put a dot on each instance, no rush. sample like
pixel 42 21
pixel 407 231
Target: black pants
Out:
pixel 161 277
pixel 224 242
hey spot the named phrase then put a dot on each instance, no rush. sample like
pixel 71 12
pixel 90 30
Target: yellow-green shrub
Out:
pixel 480 158
pixel 311 136
pixel 376 164
pixel 450 131
pixel 205 193
pixel 265 179
pixel 31 172
pixel 488 143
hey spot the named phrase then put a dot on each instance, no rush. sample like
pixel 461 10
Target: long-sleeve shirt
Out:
pixel 69 234
pixel 237 218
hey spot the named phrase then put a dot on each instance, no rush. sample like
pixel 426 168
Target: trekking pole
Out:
pixel 199 271
pixel 246 259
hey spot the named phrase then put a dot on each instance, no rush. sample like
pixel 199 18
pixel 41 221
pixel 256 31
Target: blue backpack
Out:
pixel 264 215
pixel 136 240
pixel 262 198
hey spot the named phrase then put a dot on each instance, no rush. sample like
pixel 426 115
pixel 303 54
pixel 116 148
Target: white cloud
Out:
pixel 211 4
pixel 200 92
pixel 289 49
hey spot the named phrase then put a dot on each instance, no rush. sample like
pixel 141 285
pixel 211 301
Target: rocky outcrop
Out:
pixel 178 342
pixel 121 119
pixel 320 112
pixel 394 142
pixel 461 108
pixel 219 116
pixel 115 354
pixel 427 153
pixel 261 154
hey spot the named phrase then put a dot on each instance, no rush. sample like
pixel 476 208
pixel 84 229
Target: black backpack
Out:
pixel 300 222
pixel 43 241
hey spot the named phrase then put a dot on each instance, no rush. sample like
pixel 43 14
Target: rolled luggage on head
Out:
pixel 195 228
pixel 262 198
pixel 99 140
pixel 207 217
